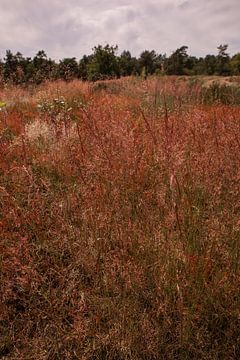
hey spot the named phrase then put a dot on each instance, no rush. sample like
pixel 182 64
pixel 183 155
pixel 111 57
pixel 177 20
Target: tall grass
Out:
pixel 120 224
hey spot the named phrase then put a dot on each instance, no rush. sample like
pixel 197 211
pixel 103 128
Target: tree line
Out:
pixel 105 63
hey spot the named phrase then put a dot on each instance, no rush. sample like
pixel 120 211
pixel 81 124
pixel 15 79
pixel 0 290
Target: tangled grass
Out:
pixel 120 223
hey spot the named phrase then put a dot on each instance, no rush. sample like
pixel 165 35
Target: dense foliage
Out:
pixel 105 63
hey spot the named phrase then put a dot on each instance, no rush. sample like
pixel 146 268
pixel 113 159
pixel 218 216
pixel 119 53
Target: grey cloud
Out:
pixel 73 27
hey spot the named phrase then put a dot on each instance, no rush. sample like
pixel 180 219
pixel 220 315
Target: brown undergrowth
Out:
pixel 120 223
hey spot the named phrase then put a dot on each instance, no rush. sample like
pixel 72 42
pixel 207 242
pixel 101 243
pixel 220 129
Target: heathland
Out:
pixel 120 219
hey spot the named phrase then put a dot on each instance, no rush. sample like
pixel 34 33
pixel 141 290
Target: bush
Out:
pixel 222 93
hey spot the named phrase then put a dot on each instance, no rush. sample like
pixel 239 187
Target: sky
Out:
pixel 71 28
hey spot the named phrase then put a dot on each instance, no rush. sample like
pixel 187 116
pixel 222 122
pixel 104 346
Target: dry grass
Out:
pixel 120 223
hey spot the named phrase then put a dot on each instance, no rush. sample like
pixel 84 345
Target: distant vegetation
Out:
pixel 105 63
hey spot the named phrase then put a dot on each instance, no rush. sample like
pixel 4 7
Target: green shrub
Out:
pixel 221 93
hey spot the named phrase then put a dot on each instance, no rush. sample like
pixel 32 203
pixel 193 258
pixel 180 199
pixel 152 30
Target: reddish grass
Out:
pixel 120 235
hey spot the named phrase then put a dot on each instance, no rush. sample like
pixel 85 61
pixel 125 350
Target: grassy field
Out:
pixel 120 220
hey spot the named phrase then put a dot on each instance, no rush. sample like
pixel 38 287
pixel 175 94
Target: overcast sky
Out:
pixel 66 28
